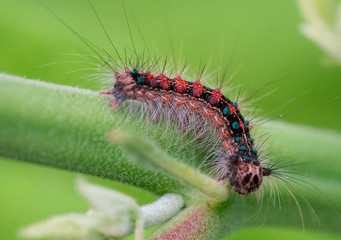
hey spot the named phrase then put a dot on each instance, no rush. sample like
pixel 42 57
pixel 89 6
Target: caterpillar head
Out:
pixel 245 177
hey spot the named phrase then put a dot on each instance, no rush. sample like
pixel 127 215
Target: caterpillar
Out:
pixel 191 102
pixel 194 107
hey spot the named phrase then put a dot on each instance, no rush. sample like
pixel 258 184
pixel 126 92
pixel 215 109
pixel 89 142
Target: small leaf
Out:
pixel 114 215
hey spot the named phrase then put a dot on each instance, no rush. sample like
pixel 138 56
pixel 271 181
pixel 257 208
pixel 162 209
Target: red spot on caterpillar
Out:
pixel 215 97
pixel 165 83
pixel 241 124
pixel 151 80
pixel 233 110
pixel 197 89
pixel 150 77
pixel 181 85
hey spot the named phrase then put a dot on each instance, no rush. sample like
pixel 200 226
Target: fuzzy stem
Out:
pixel 197 222
pixel 162 209
pixel 147 153
pixel 67 128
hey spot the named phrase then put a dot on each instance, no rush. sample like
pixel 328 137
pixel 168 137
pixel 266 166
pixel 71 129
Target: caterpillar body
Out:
pixel 194 106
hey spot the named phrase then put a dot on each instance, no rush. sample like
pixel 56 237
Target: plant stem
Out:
pixel 145 152
pixel 196 222
pixel 67 128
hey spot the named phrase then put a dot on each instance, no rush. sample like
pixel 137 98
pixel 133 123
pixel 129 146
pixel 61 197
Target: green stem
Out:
pixel 67 128
pixel 146 152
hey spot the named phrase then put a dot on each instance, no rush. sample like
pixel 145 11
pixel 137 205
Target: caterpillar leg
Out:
pixel 106 92
pixel 114 103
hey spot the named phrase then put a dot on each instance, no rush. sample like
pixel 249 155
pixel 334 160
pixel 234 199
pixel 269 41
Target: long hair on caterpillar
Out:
pixel 175 100
pixel 236 160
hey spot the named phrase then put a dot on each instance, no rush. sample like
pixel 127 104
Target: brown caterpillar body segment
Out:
pixel 237 159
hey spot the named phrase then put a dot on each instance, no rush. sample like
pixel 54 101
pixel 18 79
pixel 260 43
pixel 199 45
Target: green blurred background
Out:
pixel 261 37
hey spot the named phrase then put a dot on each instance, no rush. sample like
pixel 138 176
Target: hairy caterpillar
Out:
pixel 194 106
pixel 240 79
pixel 237 151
